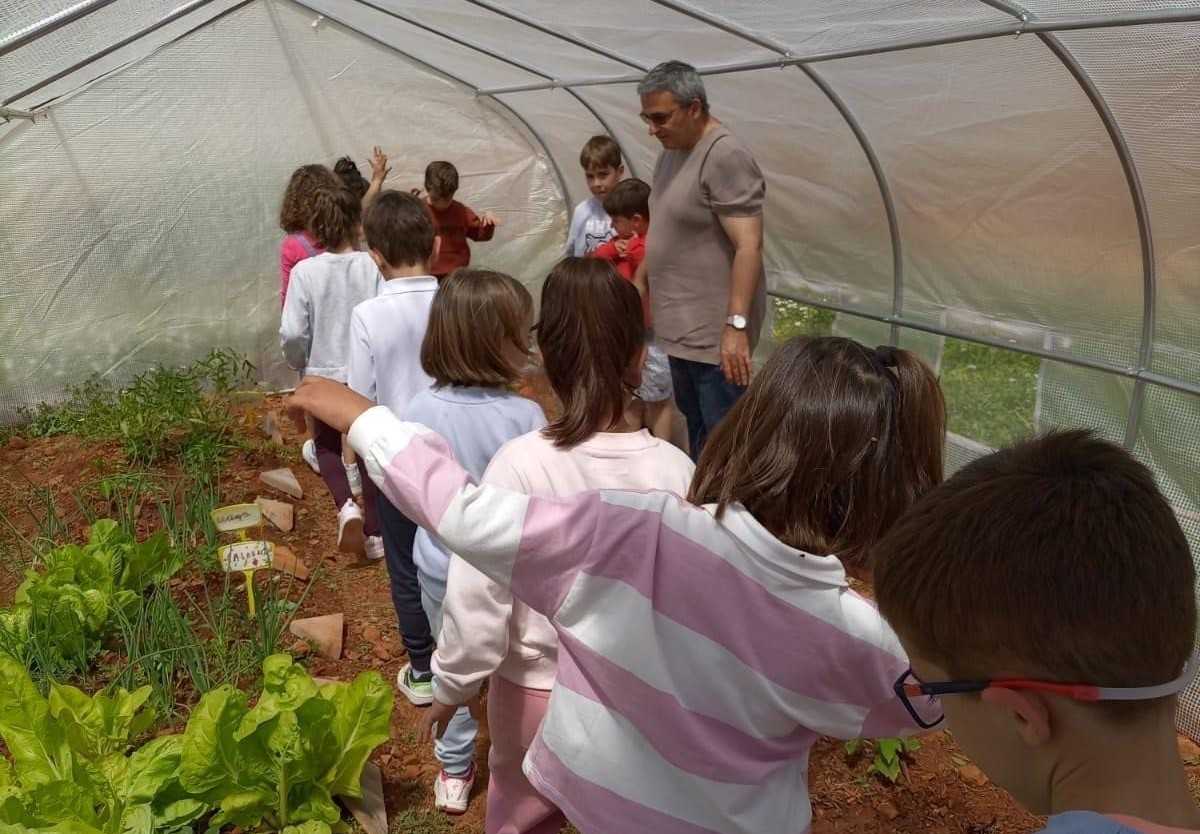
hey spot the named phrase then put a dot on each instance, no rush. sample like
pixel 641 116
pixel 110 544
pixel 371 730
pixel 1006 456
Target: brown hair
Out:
pixel 336 213
pixel 351 177
pixel 1057 558
pixel 600 152
pixel 295 213
pixel 476 315
pixel 831 443
pixel 590 330
pixel 399 228
pixel 628 197
pixel 441 179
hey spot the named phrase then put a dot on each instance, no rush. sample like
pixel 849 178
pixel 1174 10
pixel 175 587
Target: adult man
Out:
pixel 703 250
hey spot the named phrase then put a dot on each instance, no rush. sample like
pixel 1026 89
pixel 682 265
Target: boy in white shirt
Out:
pixel 385 366
pixel 590 223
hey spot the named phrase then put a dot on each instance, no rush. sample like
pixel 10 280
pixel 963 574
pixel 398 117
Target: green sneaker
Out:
pixel 418 691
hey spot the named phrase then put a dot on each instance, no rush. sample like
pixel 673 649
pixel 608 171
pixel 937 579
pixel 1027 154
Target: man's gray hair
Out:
pixel 677 78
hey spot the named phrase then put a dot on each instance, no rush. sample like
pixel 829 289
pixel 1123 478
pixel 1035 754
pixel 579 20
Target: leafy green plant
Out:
pixel 71 768
pixel 61 612
pixel 889 757
pixel 162 413
pixel 281 762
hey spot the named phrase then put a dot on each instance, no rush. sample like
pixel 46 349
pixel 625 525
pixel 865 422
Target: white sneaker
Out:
pixel 452 793
pixel 350 528
pixel 308 451
pixel 418 692
pixel 353 477
pixel 374 548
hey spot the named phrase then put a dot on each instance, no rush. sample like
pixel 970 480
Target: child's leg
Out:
pixel 513 805
pixel 456 748
pixel 328 442
pixel 370 496
pixel 398 534
pixel 348 456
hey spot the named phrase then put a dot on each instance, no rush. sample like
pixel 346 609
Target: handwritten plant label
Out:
pixel 236 517
pixel 246 556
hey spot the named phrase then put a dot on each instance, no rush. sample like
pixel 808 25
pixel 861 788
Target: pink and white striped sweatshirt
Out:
pixel 699 659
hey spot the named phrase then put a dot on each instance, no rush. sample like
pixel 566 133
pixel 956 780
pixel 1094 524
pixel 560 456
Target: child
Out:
pixel 703 646
pixel 590 224
pixel 1052 584
pixel 455 223
pixel 315 330
pixel 591 365
pixel 350 176
pixel 386 334
pixel 628 204
pixel 475 347
pixel 295 218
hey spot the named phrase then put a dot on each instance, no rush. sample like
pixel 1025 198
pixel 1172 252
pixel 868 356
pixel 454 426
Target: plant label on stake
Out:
pixel 237 517
pixel 245 556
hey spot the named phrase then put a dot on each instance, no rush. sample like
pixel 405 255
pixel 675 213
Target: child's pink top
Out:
pixel 699 658
pixel 294 249
pixel 486 631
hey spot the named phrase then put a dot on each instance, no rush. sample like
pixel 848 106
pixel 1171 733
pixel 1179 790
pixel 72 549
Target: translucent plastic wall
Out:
pixel 944 173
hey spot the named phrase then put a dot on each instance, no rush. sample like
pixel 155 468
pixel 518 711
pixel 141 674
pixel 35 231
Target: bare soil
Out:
pixel 940 793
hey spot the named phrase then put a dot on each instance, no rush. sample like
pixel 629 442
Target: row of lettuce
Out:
pixel 74 763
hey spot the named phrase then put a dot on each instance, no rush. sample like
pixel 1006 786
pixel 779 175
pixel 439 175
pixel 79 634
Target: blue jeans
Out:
pixel 398 534
pixel 456 748
pixel 704 396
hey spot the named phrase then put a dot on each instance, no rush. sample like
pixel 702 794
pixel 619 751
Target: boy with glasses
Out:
pixel 1045 595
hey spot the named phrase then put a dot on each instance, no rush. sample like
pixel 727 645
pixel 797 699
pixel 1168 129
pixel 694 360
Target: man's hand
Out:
pixel 379 165
pixel 735 356
pixel 332 403
pixel 435 719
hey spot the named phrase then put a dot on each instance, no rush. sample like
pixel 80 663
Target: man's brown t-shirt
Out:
pixel 688 255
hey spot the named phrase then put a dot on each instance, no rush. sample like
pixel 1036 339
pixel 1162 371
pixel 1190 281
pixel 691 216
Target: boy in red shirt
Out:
pixel 628 204
pixel 455 223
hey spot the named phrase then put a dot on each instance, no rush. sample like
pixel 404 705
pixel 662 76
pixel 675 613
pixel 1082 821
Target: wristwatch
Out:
pixel 736 321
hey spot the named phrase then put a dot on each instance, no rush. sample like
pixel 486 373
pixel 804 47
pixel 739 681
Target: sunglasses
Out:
pixel 921 698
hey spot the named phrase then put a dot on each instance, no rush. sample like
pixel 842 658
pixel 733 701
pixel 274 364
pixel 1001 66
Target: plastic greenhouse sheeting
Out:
pixel 1024 175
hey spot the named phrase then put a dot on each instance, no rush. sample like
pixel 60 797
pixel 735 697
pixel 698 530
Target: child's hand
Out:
pixel 622 245
pixel 332 403
pixel 435 719
pixel 418 193
pixel 379 165
pixel 488 219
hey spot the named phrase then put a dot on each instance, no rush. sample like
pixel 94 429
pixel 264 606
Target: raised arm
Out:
pixel 480 227
pixel 379 172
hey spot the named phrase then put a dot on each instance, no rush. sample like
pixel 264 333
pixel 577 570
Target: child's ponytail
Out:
pixel 920 423
pixel 336 214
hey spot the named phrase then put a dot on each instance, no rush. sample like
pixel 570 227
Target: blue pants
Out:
pixel 456 748
pixel 398 534
pixel 704 396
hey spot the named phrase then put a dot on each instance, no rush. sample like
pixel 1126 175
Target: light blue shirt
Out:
pixel 1085 822
pixel 476 422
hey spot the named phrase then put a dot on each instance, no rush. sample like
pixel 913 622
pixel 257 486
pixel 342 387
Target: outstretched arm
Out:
pixel 534 546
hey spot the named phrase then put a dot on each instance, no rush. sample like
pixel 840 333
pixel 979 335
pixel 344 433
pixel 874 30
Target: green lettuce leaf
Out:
pixel 362 722
pixel 37 743
pixel 101 724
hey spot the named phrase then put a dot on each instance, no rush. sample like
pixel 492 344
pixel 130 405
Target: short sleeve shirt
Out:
pixel 689 257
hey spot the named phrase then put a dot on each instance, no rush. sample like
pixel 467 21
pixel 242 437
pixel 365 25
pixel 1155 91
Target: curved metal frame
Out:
pixel 1025 23
pixel 562 182
pixel 521 65
pixel 1136 193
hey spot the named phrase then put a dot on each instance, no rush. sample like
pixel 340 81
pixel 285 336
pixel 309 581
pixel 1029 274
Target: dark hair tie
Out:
pixel 885 355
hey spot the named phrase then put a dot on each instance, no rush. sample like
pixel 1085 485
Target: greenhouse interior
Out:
pixel 1008 189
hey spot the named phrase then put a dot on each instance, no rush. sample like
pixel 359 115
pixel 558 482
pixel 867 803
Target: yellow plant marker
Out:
pixel 246 556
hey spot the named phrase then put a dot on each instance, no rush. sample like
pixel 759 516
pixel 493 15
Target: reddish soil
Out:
pixel 939 794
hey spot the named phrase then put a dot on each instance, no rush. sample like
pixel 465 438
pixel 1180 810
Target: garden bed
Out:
pixel 50 489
